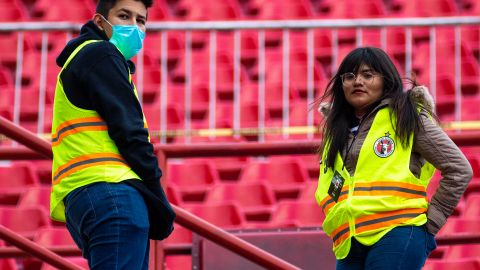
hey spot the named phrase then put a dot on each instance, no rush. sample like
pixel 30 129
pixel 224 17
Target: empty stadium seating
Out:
pixel 16 178
pixel 193 178
pixel 231 217
pixel 464 264
pixel 14 218
pixel 249 192
pixel 255 199
pixel 296 214
pixel 286 175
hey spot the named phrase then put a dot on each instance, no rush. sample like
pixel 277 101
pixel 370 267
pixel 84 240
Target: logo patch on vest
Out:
pixel 384 146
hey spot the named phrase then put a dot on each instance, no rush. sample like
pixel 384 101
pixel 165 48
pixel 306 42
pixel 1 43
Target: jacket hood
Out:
pixel 89 31
pixel 420 94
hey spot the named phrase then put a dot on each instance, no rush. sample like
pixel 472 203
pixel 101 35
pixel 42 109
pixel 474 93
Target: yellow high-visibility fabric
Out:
pixel 83 152
pixel 381 195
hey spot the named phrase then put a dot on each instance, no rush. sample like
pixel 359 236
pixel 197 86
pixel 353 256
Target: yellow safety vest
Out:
pixel 381 195
pixel 83 152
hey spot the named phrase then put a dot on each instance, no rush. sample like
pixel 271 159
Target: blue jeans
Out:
pixel 403 248
pixel 109 223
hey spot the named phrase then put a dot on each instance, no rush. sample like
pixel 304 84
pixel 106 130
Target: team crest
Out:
pixel 384 146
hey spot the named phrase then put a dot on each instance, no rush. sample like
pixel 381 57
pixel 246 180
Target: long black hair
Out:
pixel 404 107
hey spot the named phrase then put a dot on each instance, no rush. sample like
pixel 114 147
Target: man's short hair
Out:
pixel 104 6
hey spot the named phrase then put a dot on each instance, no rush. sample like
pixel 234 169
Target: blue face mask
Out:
pixel 127 38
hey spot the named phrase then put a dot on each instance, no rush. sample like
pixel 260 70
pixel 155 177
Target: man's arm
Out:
pixel 112 96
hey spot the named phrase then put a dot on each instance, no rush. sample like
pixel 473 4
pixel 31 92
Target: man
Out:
pixel 105 176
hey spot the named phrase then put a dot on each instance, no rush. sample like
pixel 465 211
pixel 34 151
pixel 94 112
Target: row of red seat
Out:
pixel 79 10
pixel 255 185
pixel 249 80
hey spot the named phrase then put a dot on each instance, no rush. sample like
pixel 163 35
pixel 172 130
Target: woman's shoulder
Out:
pixel 421 95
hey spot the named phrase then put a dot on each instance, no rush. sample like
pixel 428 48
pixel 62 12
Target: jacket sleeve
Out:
pixel 112 96
pixel 433 144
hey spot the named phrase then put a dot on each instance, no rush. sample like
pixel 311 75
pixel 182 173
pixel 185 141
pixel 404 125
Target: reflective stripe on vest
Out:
pixel 382 193
pixel 83 152
pixel 74 126
pixel 86 161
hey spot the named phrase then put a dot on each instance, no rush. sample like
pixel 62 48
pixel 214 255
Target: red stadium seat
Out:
pixel 43 168
pixel 229 168
pixel 151 83
pixel 255 199
pixel 180 235
pixel 15 219
pixel 469 224
pixel 433 184
pixel 307 194
pixel 470 109
pixel 428 8
pixel 6 79
pixel 472 207
pixel 474 159
pixel 51 237
pixel 285 175
pixel 194 178
pixel 455 252
pixel 230 218
pixel 312 163
pixel 36 196
pixel 159 11
pixel 14 10
pixel 16 179
pixel 153 116
pixel 199 96
pixel 173 194
pixel 299 113
pixel 464 264
pixel 8 49
pixel 199 10
pixel 296 214
pixel 351 9
pixel 74 10
pixel 178 262
pixel 275 10
pixel 469 7
pixel 248 115
pixel 28 103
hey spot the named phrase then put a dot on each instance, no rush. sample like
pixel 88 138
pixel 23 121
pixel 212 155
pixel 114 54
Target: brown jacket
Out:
pixel 431 144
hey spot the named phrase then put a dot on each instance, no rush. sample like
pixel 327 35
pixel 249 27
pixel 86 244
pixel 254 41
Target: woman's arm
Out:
pixel 433 144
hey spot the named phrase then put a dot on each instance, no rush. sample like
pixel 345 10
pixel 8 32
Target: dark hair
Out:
pixel 404 108
pixel 104 6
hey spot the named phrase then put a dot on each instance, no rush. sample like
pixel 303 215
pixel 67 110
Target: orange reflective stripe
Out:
pixel 340 234
pixel 386 219
pixel 328 202
pixel 390 188
pixel 77 125
pixel 86 161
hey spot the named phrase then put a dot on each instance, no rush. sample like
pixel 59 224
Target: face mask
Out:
pixel 127 38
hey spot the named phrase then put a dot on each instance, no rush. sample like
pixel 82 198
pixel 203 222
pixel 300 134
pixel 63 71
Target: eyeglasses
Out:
pixel 349 77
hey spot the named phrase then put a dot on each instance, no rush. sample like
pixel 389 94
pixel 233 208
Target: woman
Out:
pixel 380 148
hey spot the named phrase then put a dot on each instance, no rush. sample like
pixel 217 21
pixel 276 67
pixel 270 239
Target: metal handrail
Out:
pixel 267 24
pixel 36 250
pixel 184 218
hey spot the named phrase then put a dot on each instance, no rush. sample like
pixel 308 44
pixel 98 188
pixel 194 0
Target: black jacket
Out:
pixel 97 79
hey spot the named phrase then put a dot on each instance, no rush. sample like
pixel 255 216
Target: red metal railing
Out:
pixel 184 218
pixel 188 220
